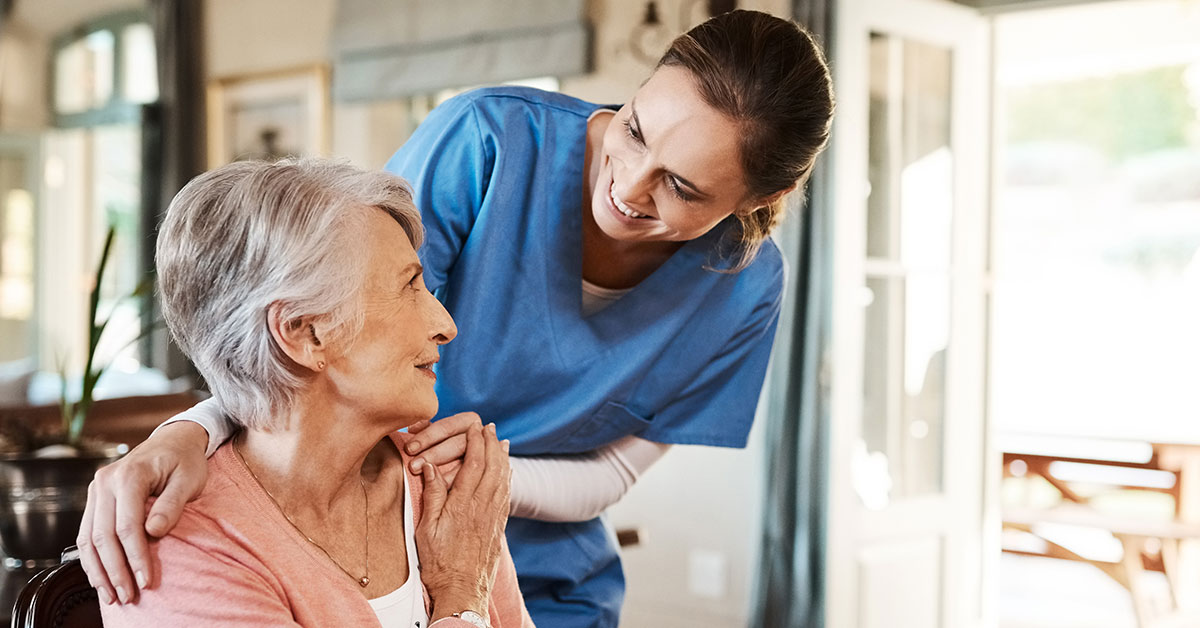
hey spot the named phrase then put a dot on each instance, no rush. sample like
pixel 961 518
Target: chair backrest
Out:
pixel 58 597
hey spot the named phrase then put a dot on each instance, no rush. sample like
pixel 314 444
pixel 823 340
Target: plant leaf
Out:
pixel 145 287
pixel 64 407
pixel 79 411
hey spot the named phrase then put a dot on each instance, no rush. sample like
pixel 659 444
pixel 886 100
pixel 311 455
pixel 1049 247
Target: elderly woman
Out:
pixel 296 290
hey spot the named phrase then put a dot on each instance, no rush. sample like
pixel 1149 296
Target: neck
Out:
pixel 317 459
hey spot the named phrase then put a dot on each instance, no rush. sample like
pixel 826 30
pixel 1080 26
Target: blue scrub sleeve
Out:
pixel 717 407
pixel 448 161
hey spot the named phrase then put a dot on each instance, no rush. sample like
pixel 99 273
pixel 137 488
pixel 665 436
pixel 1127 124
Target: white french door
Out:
pixel 906 529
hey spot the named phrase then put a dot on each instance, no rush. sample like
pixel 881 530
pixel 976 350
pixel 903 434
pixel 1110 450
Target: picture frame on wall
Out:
pixel 269 115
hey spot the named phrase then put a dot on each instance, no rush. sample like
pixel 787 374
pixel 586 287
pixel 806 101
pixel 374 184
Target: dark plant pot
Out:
pixel 41 504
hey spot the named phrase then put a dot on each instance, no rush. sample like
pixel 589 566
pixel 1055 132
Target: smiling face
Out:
pixel 388 368
pixel 670 165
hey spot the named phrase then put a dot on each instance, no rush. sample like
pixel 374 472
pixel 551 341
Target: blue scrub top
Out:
pixel 498 176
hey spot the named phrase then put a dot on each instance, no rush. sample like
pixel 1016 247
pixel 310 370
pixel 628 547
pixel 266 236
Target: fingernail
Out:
pixel 504 443
pixel 412 447
pixel 417 465
pixel 122 595
pixel 105 596
pixel 492 427
pixel 141 579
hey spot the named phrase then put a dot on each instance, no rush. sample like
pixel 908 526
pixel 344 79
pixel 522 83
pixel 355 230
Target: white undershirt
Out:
pixel 596 298
pixel 404 607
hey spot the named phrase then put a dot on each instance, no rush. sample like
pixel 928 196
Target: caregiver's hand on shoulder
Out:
pixel 461 533
pixel 443 443
pixel 112 537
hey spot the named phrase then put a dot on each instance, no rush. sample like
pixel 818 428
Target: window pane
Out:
pixel 911 166
pixel 84 73
pixel 116 164
pixel 909 216
pixel 139 64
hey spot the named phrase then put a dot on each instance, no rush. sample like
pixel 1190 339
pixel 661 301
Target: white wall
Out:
pixel 236 43
pixel 23 76
pixel 251 36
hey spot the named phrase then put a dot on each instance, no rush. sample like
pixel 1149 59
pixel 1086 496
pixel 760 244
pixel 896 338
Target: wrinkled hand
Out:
pixel 462 527
pixel 112 537
pixel 442 443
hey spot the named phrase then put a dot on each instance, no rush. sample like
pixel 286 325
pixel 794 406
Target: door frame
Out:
pixel 966 465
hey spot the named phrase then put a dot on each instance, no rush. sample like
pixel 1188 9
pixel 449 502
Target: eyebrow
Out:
pixel 637 124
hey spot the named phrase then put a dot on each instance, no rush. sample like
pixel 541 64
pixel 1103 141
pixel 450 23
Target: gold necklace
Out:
pixel 366 577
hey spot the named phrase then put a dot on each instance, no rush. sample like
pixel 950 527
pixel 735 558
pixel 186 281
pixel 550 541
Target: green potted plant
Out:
pixel 44 473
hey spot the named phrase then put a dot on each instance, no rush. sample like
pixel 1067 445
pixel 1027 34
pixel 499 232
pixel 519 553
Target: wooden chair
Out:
pixel 58 597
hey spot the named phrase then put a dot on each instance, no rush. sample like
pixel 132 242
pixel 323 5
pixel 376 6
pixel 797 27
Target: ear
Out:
pixel 297 337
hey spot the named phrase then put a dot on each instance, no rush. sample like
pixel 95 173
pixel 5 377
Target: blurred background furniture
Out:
pixel 1086 474
pixel 128 420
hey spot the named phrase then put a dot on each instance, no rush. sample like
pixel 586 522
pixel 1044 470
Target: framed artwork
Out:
pixel 268 116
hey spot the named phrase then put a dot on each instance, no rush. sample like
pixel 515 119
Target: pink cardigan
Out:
pixel 234 560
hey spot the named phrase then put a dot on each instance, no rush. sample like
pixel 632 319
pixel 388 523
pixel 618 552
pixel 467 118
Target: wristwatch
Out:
pixel 473 618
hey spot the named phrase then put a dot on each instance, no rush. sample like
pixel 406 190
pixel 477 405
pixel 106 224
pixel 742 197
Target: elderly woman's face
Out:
pixel 388 369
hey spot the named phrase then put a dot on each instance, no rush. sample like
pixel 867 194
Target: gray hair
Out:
pixel 243 236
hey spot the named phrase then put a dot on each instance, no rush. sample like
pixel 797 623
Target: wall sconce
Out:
pixel 651 37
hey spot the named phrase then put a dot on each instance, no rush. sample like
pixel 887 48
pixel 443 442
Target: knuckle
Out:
pixel 128 474
pixel 99 540
pixel 103 477
pixel 127 530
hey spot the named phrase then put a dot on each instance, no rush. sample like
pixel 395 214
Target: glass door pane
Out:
pixel 907 293
pixel 116 190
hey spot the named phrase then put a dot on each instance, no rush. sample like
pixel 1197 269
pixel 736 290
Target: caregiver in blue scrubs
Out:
pixel 614 285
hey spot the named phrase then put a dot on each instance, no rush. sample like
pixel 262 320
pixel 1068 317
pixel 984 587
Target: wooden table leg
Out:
pixel 1170 561
pixel 1134 579
pixel 1188 556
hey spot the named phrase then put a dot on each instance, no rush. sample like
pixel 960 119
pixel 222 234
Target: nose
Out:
pixel 441 325
pixel 634 181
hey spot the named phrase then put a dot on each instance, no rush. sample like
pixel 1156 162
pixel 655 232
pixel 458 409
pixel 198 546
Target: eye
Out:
pixel 632 132
pixel 415 282
pixel 678 190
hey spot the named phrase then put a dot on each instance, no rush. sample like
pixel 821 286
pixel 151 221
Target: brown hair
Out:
pixel 770 76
